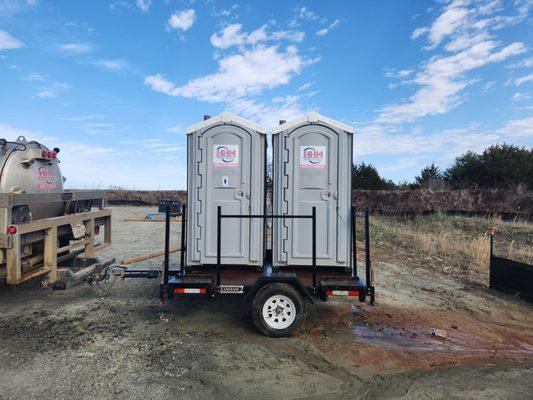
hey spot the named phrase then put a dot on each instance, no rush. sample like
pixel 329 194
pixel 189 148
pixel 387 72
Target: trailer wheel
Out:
pixel 278 310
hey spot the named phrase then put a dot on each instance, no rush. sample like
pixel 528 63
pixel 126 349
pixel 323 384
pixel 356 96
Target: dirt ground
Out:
pixel 114 341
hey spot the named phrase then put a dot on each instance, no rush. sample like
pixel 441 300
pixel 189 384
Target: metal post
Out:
pixel 219 231
pixel 167 253
pixel 491 245
pixel 354 243
pixel 491 262
pixel 369 284
pixel 182 255
pixel 314 248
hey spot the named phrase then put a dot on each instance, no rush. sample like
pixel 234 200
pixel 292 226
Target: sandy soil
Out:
pixel 115 341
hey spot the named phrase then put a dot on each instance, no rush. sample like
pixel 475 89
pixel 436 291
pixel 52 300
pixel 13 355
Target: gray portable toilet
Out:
pixel 312 164
pixel 226 162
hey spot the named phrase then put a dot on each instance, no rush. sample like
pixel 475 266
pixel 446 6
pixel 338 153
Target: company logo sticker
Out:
pixel 46 179
pixel 226 155
pixel 313 157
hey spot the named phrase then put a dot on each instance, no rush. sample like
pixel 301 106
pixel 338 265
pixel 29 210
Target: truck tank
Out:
pixel 30 167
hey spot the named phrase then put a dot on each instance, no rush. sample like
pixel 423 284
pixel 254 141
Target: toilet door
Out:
pixel 227 184
pixel 313 169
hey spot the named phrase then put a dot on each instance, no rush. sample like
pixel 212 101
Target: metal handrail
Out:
pixel 265 217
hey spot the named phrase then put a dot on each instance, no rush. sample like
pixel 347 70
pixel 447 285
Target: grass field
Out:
pixel 452 244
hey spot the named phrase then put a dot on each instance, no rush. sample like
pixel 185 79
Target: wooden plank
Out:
pixel 89 238
pixel 77 243
pixel 14 270
pixel 107 230
pixel 159 253
pixel 50 253
pixel 33 274
pixel 43 224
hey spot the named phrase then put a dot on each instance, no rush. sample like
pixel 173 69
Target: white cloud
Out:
pixel 51 91
pixel 398 74
pixel 324 31
pixel 8 42
pixel 238 75
pixel 33 76
pixel 444 25
pixel 447 144
pixel 182 20
pixel 519 127
pixel 232 35
pixel 523 79
pixel 75 48
pixel 144 5
pixel 112 65
pixel 442 79
pixel 305 86
pixel 267 114
pixel 466 30
pixel 175 129
pixel 519 96
pixel 525 63
pixel 305 13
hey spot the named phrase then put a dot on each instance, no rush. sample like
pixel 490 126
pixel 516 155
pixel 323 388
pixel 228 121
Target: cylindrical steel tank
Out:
pixel 30 167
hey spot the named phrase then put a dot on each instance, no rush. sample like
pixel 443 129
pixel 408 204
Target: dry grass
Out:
pixel 452 244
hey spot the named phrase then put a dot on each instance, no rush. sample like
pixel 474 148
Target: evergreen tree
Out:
pixel 366 177
pixel 430 177
pixel 499 166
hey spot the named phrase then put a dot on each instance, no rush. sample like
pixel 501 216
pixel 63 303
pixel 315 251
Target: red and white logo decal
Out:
pixel 46 179
pixel 226 155
pixel 313 157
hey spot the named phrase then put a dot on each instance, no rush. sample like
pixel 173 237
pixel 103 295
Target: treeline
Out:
pixel 497 167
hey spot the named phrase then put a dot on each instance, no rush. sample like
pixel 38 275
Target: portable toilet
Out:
pixel 312 167
pixel 226 163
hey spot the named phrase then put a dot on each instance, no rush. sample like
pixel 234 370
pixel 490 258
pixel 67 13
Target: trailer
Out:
pixel 279 295
pixel 225 246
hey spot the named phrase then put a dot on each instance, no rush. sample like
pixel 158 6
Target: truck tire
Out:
pixel 278 310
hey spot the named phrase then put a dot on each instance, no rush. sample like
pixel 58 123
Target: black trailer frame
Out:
pixel 310 282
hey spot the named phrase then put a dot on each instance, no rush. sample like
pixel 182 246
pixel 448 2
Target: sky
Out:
pixel 114 84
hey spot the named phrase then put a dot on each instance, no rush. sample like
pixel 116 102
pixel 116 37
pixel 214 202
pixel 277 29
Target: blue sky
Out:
pixel 114 84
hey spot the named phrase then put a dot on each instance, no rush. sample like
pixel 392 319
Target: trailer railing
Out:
pixel 369 275
pixel 266 217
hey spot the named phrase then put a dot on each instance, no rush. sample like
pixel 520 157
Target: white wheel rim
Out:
pixel 279 312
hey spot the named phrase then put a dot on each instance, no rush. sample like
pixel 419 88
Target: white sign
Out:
pixel 313 157
pixel 226 155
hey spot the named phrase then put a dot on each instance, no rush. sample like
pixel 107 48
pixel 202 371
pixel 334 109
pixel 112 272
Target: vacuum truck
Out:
pixel 45 229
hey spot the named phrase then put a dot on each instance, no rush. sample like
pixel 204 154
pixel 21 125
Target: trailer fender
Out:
pixel 290 279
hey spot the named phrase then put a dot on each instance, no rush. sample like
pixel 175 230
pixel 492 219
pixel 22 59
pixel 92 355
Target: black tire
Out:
pixel 278 289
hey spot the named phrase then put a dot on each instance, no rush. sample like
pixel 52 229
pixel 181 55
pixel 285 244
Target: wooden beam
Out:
pixel 50 253
pixel 89 238
pixel 42 224
pixel 159 253
pixel 13 262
